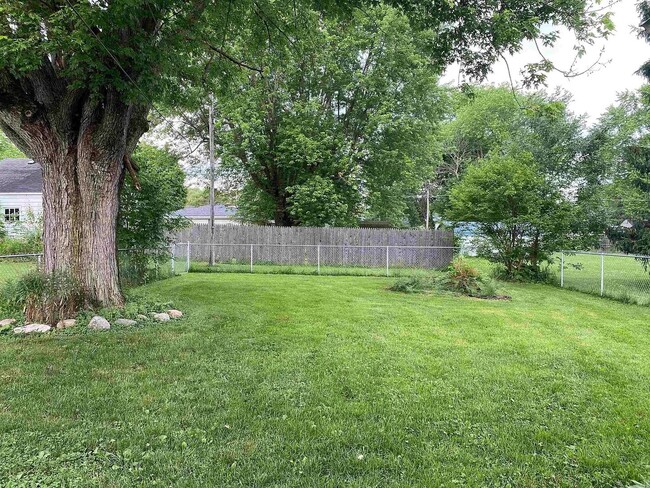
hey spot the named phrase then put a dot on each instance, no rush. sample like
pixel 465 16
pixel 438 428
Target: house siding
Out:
pixel 217 220
pixel 31 209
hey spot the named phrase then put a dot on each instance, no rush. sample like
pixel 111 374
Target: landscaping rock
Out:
pixel 5 322
pixel 31 328
pixel 64 324
pixel 125 322
pixel 142 317
pixel 99 323
pixel 175 314
pixel 161 317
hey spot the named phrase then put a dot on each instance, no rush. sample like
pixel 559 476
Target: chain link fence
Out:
pixel 13 266
pixel 136 267
pixel 310 259
pixel 620 276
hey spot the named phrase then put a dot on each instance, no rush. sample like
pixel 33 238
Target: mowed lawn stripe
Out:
pixel 289 380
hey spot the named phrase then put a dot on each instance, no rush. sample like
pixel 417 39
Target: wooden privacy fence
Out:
pixel 329 246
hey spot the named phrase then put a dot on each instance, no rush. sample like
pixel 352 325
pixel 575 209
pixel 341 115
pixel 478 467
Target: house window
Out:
pixel 12 214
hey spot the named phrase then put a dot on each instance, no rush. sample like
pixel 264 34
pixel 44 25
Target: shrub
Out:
pixel 463 278
pixel 521 217
pixel 525 274
pixel 43 298
pixel 28 245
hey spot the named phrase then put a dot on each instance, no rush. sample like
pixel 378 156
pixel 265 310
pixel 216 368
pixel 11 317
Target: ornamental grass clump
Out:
pixel 43 297
pixel 460 278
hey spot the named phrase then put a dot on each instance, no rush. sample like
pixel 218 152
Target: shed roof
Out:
pixel 204 211
pixel 20 175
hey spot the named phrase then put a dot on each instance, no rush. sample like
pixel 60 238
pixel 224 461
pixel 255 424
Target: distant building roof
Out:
pixel 20 176
pixel 204 211
pixel 626 224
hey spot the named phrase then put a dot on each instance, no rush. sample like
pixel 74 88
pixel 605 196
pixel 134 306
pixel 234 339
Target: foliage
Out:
pixel 316 203
pixel 617 172
pixel 167 44
pixel 146 218
pixel 7 149
pixel 28 238
pixel 31 245
pixel 643 8
pixel 461 278
pixel 417 283
pixel 497 120
pixel 522 217
pixel 146 221
pixel 197 197
pixel 43 298
pixel 339 128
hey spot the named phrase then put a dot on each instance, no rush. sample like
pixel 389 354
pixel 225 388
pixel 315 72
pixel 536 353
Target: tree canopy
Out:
pixel 340 128
pixel 496 120
pixel 78 81
pixel 617 172
pixel 523 217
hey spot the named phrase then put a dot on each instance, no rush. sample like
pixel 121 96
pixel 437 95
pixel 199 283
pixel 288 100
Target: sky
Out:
pixel 594 92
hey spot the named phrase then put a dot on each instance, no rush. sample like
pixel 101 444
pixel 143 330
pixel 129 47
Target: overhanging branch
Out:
pixel 233 60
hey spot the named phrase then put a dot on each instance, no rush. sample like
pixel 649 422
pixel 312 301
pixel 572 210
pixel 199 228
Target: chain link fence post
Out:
pixel 251 258
pixel 318 258
pixel 187 264
pixel 562 269
pixel 173 259
pixel 386 260
pixel 602 274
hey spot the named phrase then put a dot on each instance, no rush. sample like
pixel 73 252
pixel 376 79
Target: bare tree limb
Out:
pixel 233 60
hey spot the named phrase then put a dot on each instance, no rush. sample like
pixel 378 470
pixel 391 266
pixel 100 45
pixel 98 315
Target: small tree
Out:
pixel 146 221
pixel 522 218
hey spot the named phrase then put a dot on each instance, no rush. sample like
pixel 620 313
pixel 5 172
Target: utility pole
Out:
pixel 426 224
pixel 211 135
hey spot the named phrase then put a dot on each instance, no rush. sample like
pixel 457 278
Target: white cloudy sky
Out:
pixel 592 93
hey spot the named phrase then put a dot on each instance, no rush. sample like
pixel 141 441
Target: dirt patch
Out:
pixel 493 297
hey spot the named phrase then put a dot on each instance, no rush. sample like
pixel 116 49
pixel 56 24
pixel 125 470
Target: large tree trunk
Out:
pixel 81 141
pixel 80 204
pixel 282 216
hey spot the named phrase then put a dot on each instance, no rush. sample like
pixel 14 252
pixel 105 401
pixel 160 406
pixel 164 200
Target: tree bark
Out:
pixel 282 216
pixel 80 204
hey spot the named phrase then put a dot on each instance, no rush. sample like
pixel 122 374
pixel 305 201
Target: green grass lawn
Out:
pixel 10 269
pixel 289 380
pixel 624 277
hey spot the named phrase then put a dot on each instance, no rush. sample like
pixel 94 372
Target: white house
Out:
pixel 201 215
pixel 21 194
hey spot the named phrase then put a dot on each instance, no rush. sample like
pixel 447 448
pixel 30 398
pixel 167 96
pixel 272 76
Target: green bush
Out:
pixel 525 274
pixel 27 245
pixel 43 298
pixel 463 278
